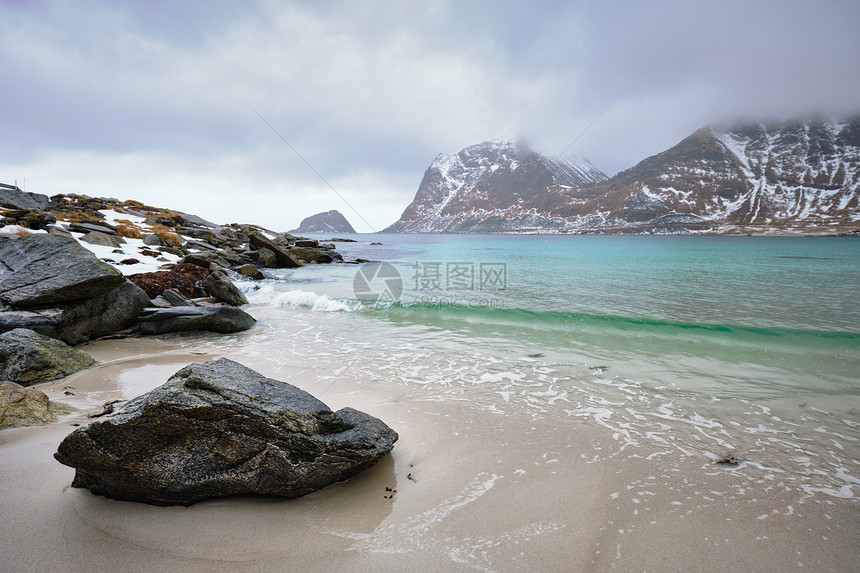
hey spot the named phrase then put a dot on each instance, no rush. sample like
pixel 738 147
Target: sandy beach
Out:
pixel 474 491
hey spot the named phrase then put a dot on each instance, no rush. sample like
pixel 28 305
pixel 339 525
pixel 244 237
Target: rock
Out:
pixel 220 319
pixel 267 258
pixel 43 321
pixel 21 406
pixel 206 301
pixel 190 244
pixel 312 255
pixel 233 258
pixel 205 235
pixel 102 315
pixel 30 218
pixel 28 358
pixel 283 258
pixel 175 299
pixel 41 269
pixel 99 238
pixel 160 302
pixel 218 285
pixel 152 240
pixel 250 271
pixel 12 197
pixel 205 259
pixel 59 231
pixel 184 278
pixel 178 251
pixel 88 227
pixel 307 243
pixel 80 321
pixel 220 429
pixel 168 219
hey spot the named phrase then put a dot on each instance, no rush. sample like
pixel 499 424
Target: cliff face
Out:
pixel 328 222
pixel 794 177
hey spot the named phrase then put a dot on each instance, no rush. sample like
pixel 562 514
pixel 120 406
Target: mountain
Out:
pixel 495 186
pixel 799 176
pixel 328 222
pixel 791 177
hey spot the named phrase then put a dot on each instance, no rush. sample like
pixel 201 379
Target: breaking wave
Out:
pixel 270 296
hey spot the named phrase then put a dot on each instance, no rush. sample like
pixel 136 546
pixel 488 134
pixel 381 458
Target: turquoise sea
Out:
pixel 679 347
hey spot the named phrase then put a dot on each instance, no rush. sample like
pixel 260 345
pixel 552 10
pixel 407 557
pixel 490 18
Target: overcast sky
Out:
pixel 171 103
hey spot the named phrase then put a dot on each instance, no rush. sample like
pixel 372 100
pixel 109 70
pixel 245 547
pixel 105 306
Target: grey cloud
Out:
pixel 369 93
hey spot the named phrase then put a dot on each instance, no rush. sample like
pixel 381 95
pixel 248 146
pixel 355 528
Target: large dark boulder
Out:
pixel 219 429
pixel 80 321
pixel 21 406
pixel 102 315
pixel 28 358
pixel 220 319
pixel 43 269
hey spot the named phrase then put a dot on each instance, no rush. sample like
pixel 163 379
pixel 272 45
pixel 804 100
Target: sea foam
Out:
pixel 270 296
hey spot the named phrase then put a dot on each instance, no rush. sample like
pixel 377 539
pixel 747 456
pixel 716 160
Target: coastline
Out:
pixel 486 492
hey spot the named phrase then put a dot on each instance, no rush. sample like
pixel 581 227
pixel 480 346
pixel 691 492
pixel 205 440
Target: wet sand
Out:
pixel 475 491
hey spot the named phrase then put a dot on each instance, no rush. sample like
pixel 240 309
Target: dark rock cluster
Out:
pixel 52 285
pixel 213 429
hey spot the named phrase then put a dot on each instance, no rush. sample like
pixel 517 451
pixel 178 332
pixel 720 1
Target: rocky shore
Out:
pixel 65 280
pixel 67 267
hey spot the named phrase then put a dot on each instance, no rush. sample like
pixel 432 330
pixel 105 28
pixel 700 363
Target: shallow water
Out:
pixel 562 426
pixel 679 348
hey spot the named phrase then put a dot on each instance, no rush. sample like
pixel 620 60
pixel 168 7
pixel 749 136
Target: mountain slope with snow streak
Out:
pixel 494 186
pixel 792 177
pixel 796 177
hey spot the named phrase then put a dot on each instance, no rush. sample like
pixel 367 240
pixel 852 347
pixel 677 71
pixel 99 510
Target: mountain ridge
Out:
pixel 794 177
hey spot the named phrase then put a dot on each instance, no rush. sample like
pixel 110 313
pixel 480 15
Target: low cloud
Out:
pixel 162 105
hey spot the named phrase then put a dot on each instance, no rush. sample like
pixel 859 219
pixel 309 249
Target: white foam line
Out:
pixel 405 536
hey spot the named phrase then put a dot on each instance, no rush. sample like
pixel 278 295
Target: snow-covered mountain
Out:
pixel 790 177
pixel 800 176
pixel 495 186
